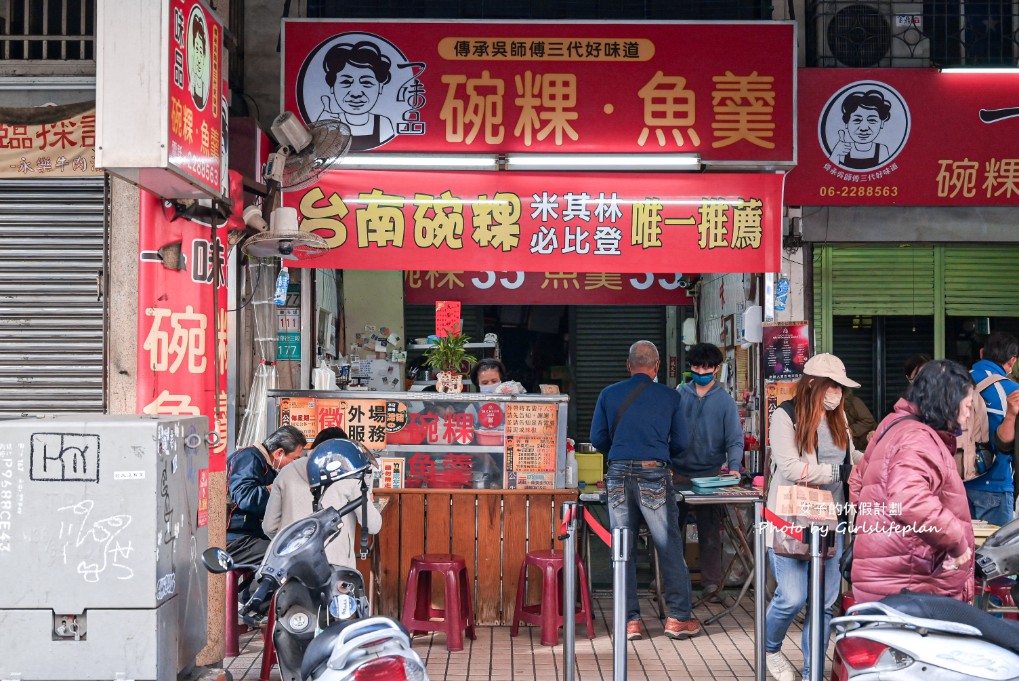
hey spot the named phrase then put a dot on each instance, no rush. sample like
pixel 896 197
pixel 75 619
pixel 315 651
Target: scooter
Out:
pixel 923 636
pixel 323 630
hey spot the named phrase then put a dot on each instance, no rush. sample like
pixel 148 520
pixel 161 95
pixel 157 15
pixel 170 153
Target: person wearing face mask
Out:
pixel 811 445
pixel 489 376
pixel 716 446
pixel 251 472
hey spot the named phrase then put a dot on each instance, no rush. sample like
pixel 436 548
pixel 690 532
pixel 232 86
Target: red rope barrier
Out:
pixel 592 522
pixel 784 525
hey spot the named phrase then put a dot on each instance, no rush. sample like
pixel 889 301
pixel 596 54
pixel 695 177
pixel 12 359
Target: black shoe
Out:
pixel 713 594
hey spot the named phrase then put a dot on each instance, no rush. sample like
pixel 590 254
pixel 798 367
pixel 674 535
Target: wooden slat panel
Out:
pixel 513 549
pixel 465 534
pixel 389 560
pixel 489 563
pixel 437 523
pixel 412 534
pixel 539 535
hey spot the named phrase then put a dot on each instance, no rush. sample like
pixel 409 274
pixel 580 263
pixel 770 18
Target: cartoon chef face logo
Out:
pixel 864 126
pixel 198 57
pixel 366 82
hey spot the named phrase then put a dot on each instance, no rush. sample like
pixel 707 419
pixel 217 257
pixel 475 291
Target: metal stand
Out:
pixel 569 590
pixel 621 545
pixel 815 602
pixel 760 581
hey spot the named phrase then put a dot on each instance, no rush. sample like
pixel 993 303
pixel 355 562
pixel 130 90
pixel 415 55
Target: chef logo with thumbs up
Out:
pixel 864 126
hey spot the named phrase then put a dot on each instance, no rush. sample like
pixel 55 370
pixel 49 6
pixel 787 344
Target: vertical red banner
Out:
pixel 182 317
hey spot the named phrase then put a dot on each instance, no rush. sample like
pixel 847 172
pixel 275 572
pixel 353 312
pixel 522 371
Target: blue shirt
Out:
pixel 653 427
pixel 999 478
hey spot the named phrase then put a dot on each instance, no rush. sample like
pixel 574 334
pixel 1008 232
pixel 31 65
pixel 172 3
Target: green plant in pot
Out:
pixel 447 357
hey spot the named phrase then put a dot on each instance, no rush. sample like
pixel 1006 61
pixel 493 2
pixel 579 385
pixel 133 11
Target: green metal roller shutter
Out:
pixel 51 321
pixel 981 281
pixel 602 336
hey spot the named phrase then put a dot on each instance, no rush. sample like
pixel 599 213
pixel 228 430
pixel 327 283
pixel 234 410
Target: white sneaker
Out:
pixel 780 667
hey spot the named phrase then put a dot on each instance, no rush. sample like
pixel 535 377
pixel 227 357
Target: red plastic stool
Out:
pixel 419 616
pixel 233 628
pixel 549 612
pixel 838 668
pixel 268 646
pixel 1000 588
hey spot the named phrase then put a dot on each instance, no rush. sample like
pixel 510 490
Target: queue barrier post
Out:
pixel 622 539
pixel 569 589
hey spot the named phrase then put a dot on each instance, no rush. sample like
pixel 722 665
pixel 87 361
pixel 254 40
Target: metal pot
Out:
pixel 585 448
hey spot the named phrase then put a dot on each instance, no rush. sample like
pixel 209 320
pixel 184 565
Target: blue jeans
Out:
pixel 994 507
pixel 791 576
pixel 637 492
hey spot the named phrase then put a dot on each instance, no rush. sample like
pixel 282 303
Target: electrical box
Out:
pixel 100 547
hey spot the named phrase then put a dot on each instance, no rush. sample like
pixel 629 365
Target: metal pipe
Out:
pixel 815 602
pixel 621 540
pixel 760 585
pixel 570 590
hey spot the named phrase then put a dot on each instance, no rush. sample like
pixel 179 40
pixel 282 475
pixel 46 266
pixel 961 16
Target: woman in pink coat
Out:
pixel 913 526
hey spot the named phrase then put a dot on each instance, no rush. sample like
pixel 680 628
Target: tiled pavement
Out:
pixel 724 651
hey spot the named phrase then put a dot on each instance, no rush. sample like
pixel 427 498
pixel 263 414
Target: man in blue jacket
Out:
pixel 641 426
pixel 251 472
pixel 991 496
pixel 716 446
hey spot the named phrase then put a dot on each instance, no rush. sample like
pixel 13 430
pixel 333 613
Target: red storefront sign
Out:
pixel 724 91
pixel 533 222
pixel 196 116
pixel 424 287
pixel 906 137
pixel 182 323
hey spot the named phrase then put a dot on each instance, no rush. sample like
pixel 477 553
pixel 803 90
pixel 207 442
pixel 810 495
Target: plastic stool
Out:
pixel 268 646
pixel 549 612
pixel 1000 588
pixel 419 616
pixel 233 628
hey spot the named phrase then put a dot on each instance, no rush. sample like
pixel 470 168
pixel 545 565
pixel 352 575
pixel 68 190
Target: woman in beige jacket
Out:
pixel 814 449
pixel 290 500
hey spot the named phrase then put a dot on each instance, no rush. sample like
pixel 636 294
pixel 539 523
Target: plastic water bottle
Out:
pixel 572 468
pixel 282 284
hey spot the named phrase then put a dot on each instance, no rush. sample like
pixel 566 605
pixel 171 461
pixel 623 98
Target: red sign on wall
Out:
pixel 196 116
pixel 182 326
pixel 906 137
pixel 722 90
pixel 551 222
pixel 423 287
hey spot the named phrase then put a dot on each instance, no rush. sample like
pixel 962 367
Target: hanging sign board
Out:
pixel 724 91
pixel 908 137
pixel 161 109
pixel 48 141
pixel 544 222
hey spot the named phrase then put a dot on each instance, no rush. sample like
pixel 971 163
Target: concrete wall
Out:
pixel 122 299
pixel 374 298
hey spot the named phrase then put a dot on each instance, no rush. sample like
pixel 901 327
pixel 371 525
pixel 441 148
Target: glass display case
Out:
pixel 441 441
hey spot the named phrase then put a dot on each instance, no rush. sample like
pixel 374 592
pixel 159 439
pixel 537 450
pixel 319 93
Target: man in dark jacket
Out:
pixel 716 445
pixel 641 426
pixel 251 472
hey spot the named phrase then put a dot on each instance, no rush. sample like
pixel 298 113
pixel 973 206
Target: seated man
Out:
pixel 291 500
pixel 251 472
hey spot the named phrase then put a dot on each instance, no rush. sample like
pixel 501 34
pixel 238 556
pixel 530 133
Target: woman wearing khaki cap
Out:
pixel 810 444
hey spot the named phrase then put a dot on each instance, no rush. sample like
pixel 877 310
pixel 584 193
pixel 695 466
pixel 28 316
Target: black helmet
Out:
pixel 335 460
pixel 999 555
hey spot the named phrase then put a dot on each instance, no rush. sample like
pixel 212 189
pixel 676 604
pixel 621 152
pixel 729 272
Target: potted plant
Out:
pixel 447 356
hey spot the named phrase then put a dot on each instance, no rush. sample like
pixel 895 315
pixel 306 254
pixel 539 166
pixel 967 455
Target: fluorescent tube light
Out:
pixel 383 161
pixel 981 69
pixel 603 162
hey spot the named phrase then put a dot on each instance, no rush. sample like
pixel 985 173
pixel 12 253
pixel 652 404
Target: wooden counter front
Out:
pixel 491 529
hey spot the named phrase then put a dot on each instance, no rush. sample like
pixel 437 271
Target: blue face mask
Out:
pixel 702 379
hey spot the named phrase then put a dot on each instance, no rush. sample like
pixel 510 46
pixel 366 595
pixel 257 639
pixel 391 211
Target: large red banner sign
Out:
pixel 906 137
pixel 182 318
pixel 196 115
pixel 546 288
pixel 551 222
pixel 724 91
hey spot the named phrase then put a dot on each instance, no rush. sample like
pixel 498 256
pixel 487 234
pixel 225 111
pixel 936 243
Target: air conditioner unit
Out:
pixel 871 34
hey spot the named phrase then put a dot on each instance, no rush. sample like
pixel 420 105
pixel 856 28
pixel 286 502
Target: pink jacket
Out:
pixel 912 513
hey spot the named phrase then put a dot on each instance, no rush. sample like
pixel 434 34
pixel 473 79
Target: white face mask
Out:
pixel 831 402
pixel 654 379
pixel 490 388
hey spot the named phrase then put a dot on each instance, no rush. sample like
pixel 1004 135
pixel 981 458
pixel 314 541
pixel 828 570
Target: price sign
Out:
pixel 447 317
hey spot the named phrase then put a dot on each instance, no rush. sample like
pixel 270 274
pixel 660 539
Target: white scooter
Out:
pixel 921 636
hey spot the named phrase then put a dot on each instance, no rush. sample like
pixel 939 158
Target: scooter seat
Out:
pixel 1000 632
pixel 320 649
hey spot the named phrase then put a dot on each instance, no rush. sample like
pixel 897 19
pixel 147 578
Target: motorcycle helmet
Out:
pixel 999 555
pixel 335 460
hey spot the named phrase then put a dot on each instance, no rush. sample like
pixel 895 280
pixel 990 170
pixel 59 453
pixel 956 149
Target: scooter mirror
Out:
pixel 217 560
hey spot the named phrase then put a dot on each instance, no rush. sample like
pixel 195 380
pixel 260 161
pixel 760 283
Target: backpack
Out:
pixel 974 453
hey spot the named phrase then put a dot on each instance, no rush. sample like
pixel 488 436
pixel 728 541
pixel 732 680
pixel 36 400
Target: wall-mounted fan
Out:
pixel 305 152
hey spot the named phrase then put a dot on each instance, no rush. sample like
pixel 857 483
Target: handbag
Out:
pixel 802 506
